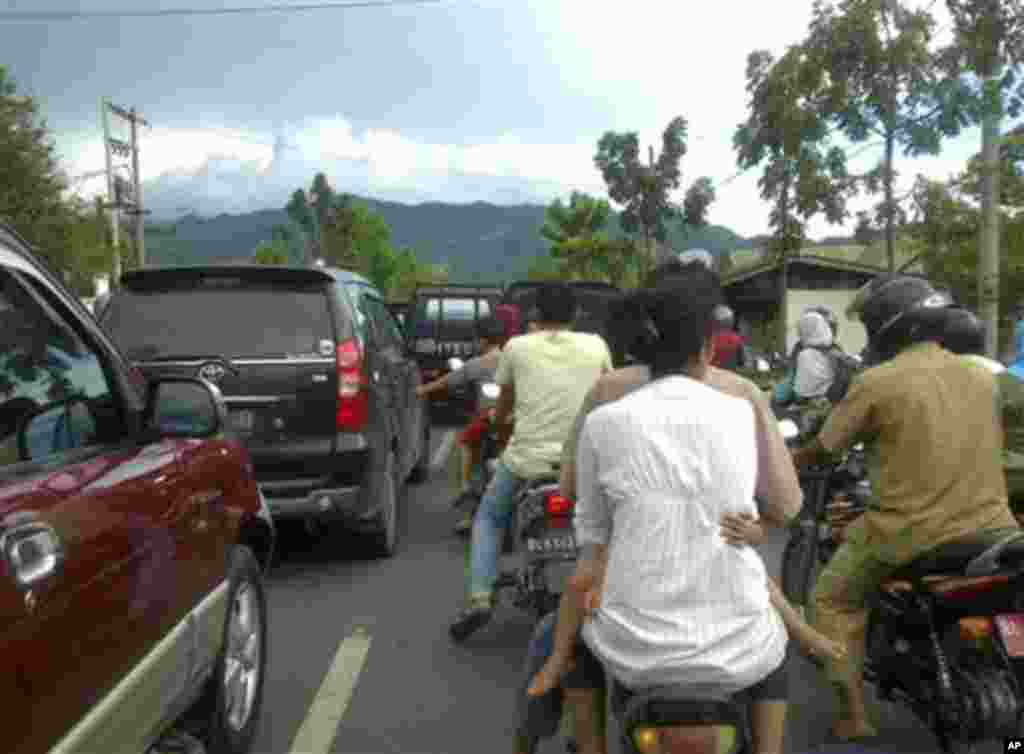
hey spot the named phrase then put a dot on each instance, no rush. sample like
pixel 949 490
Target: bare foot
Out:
pixel 850 730
pixel 819 645
pixel 547 677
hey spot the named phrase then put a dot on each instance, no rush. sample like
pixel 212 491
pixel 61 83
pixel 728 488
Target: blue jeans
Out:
pixel 497 509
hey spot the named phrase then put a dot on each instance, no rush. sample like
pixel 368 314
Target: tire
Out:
pixel 421 471
pixel 244 650
pixel 385 540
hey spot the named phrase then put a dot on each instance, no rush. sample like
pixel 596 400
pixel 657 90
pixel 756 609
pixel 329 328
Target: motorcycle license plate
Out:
pixel 1011 628
pixel 556 543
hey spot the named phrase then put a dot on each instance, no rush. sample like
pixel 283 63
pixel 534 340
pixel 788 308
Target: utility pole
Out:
pixel 130 199
pixel 111 205
pixel 140 226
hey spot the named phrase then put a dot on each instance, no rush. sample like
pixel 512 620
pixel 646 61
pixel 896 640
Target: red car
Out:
pixel 133 541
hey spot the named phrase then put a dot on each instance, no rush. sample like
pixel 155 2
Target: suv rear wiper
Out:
pixel 142 355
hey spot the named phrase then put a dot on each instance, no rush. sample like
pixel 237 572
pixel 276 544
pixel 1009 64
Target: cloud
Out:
pixel 213 170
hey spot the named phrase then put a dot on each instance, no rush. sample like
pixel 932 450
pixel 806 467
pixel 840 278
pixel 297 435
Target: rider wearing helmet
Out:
pixel 727 343
pixel 932 425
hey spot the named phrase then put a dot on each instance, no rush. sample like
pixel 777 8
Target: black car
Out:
pixel 315 372
pixel 441 323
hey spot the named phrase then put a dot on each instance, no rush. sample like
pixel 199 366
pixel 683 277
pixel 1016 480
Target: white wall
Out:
pixel 852 336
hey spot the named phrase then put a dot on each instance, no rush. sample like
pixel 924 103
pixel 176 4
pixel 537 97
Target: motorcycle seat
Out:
pixel 978 555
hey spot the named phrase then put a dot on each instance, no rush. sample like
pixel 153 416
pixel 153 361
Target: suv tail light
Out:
pixel 353 399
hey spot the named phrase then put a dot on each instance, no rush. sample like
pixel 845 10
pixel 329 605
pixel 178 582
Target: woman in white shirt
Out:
pixel 680 606
pixel 814 369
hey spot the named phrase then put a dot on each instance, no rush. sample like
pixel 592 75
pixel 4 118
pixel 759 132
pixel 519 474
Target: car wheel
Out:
pixel 237 693
pixel 421 471
pixel 385 542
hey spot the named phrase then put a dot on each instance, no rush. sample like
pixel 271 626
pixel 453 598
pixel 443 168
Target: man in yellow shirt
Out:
pixel 544 377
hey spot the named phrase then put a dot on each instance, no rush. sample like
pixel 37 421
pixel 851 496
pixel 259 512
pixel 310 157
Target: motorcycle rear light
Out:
pixel 965 588
pixel 686 739
pixel 975 629
pixel 353 399
pixel 557 505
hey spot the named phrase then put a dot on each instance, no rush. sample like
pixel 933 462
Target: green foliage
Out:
pixel 643 190
pixel 990 35
pixel 547 269
pixel 32 185
pixel 946 230
pixel 272 252
pixel 353 236
pixel 877 73
pixel 803 175
pixel 582 251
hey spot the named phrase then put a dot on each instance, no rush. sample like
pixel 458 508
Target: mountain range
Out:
pixel 479 242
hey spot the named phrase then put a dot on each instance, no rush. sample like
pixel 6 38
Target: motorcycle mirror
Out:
pixel 788 429
pixel 490 391
pixel 455 364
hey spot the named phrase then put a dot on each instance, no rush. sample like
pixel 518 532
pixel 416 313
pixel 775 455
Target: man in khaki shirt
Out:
pixel 932 419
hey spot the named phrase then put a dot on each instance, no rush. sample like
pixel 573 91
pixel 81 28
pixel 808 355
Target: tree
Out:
pixel 880 75
pixel 803 174
pixel 644 190
pixel 990 38
pixel 271 252
pixel 32 185
pixel 547 269
pixel 574 232
pixel 355 237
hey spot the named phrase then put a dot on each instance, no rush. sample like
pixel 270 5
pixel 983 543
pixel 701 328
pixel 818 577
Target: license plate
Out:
pixel 1011 628
pixel 242 421
pixel 555 544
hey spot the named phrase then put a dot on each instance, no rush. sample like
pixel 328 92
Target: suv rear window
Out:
pixel 458 309
pixel 246 320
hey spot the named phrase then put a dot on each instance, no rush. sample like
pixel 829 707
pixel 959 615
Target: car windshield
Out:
pixel 237 322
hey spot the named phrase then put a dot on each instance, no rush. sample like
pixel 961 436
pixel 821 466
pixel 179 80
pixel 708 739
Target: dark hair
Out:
pixel 963 333
pixel 556 303
pixel 675 318
pixel 491 328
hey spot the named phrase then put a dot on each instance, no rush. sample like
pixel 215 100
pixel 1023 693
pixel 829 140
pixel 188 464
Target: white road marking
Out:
pixel 444 449
pixel 317 732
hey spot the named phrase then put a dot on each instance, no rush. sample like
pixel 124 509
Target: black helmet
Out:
pixel 887 301
pixel 491 328
pixel 829 316
pixel 963 333
pixel 724 318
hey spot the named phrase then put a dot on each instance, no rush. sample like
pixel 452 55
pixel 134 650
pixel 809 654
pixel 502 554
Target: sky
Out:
pixel 500 101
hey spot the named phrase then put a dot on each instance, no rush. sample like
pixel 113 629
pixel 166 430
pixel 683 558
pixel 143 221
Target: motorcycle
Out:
pixel 945 632
pixel 541 537
pixel 678 720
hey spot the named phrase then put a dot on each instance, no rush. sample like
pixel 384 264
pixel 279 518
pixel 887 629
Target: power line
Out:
pixel 70 15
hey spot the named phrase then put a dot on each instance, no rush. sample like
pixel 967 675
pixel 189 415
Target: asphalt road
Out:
pixel 361 663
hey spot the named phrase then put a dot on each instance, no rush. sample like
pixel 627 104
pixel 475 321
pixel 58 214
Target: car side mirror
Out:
pixel 185 407
pixel 56 428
